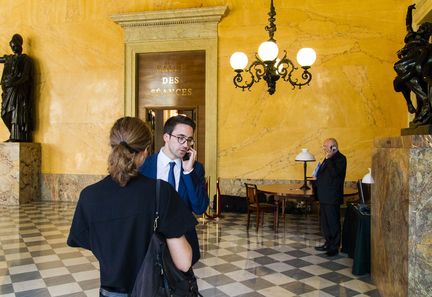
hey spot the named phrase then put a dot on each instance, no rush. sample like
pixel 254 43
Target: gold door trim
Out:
pixel 176 30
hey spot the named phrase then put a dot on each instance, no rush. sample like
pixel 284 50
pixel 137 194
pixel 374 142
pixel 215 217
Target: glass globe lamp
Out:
pixel 238 60
pixel 268 51
pixel 306 56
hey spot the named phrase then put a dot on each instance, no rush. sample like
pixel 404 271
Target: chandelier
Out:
pixel 268 66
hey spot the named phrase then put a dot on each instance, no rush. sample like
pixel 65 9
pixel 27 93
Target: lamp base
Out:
pixel 305 187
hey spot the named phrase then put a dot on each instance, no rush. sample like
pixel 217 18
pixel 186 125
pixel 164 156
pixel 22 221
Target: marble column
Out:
pixel 20 165
pixel 401 243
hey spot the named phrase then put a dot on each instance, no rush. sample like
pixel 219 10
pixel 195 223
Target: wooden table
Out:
pixel 292 191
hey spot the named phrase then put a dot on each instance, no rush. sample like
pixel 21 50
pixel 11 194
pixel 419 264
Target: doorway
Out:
pixel 191 29
pixel 171 83
pixel 156 118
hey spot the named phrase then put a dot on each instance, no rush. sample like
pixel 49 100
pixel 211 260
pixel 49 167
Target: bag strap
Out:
pixel 155 226
pixel 156 220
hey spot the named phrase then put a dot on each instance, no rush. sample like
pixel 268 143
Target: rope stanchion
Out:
pixel 218 211
pixel 203 219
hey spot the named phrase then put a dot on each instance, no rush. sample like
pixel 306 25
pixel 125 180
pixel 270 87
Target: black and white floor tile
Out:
pixel 35 260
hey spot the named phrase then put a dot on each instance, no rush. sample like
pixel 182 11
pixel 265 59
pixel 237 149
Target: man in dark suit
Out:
pixel 328 186
pixel 176 163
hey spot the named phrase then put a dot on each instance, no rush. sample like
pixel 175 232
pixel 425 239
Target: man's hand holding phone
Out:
pixel 329 151
pixel 189 159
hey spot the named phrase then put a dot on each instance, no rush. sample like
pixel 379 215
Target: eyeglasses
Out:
pixel 182 139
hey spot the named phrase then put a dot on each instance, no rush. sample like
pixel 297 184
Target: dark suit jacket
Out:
pixel 191 187
pixel 330 180
pixel 191 190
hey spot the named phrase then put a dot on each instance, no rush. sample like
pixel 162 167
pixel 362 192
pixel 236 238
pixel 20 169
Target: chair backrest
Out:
pixel 251 194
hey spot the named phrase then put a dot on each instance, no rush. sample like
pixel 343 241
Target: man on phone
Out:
pixel 176 163
pixel 328 187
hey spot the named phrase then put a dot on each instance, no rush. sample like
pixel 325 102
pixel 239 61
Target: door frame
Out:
pixel 176 30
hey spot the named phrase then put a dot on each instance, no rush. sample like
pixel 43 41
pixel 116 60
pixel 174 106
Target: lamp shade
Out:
pixel 368 179
pixel 305 155
pixel 268 51
pixel 306 56
pixel 238 60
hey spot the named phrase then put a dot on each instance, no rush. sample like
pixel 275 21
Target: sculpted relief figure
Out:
pixel 414 70
pixel 17 97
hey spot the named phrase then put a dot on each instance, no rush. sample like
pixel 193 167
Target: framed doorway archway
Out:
pixel 176 30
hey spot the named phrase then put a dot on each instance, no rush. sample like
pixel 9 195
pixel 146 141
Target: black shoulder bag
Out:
pixel 158 275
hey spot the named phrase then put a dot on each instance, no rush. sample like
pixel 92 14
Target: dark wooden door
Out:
pixel 172 83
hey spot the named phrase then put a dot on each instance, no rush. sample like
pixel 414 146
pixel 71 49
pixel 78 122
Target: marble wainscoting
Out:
pixel 401 243
pixel 65 187
pixel 236 187
pixel 20 165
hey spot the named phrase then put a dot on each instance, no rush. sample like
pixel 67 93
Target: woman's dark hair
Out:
pixel 175 120
pixel 128 137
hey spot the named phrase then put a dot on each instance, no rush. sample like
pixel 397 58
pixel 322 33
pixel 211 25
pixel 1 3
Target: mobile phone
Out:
pixel 186 157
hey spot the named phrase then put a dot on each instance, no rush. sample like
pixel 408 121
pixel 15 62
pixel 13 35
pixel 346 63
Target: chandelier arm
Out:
pixel 239 81
pixel 257 69
pixel 306 78
pixel 285 66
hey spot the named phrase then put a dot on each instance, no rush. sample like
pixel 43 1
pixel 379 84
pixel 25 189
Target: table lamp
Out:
pixel 305 156
pixel 367 178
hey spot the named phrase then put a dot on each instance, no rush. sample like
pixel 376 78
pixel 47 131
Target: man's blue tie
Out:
pixel 171 179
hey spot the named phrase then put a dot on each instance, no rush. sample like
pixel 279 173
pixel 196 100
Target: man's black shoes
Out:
pixel 321 248
pixel 328 252
pixel 332 253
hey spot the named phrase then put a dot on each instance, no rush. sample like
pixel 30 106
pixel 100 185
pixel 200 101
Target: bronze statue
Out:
pixel 17 97
pixel 414 70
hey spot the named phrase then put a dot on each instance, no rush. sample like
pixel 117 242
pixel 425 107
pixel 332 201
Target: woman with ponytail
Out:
pixel 114 217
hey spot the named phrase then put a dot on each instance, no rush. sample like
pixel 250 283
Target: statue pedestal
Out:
pixel 420 130
pixel 401 237
pixel 20 165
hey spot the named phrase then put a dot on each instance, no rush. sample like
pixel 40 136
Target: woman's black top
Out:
pixel 116 224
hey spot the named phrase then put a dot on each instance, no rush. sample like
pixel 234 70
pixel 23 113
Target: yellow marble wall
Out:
pixel 351 95
pixel 78 52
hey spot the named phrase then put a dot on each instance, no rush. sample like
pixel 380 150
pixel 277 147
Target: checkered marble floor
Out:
pixel 35 260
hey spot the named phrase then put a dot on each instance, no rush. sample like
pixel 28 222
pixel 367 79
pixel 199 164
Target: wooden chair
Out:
pixel 259 208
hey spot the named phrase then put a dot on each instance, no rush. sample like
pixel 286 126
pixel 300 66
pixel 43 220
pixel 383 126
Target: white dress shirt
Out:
pixel 163 166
